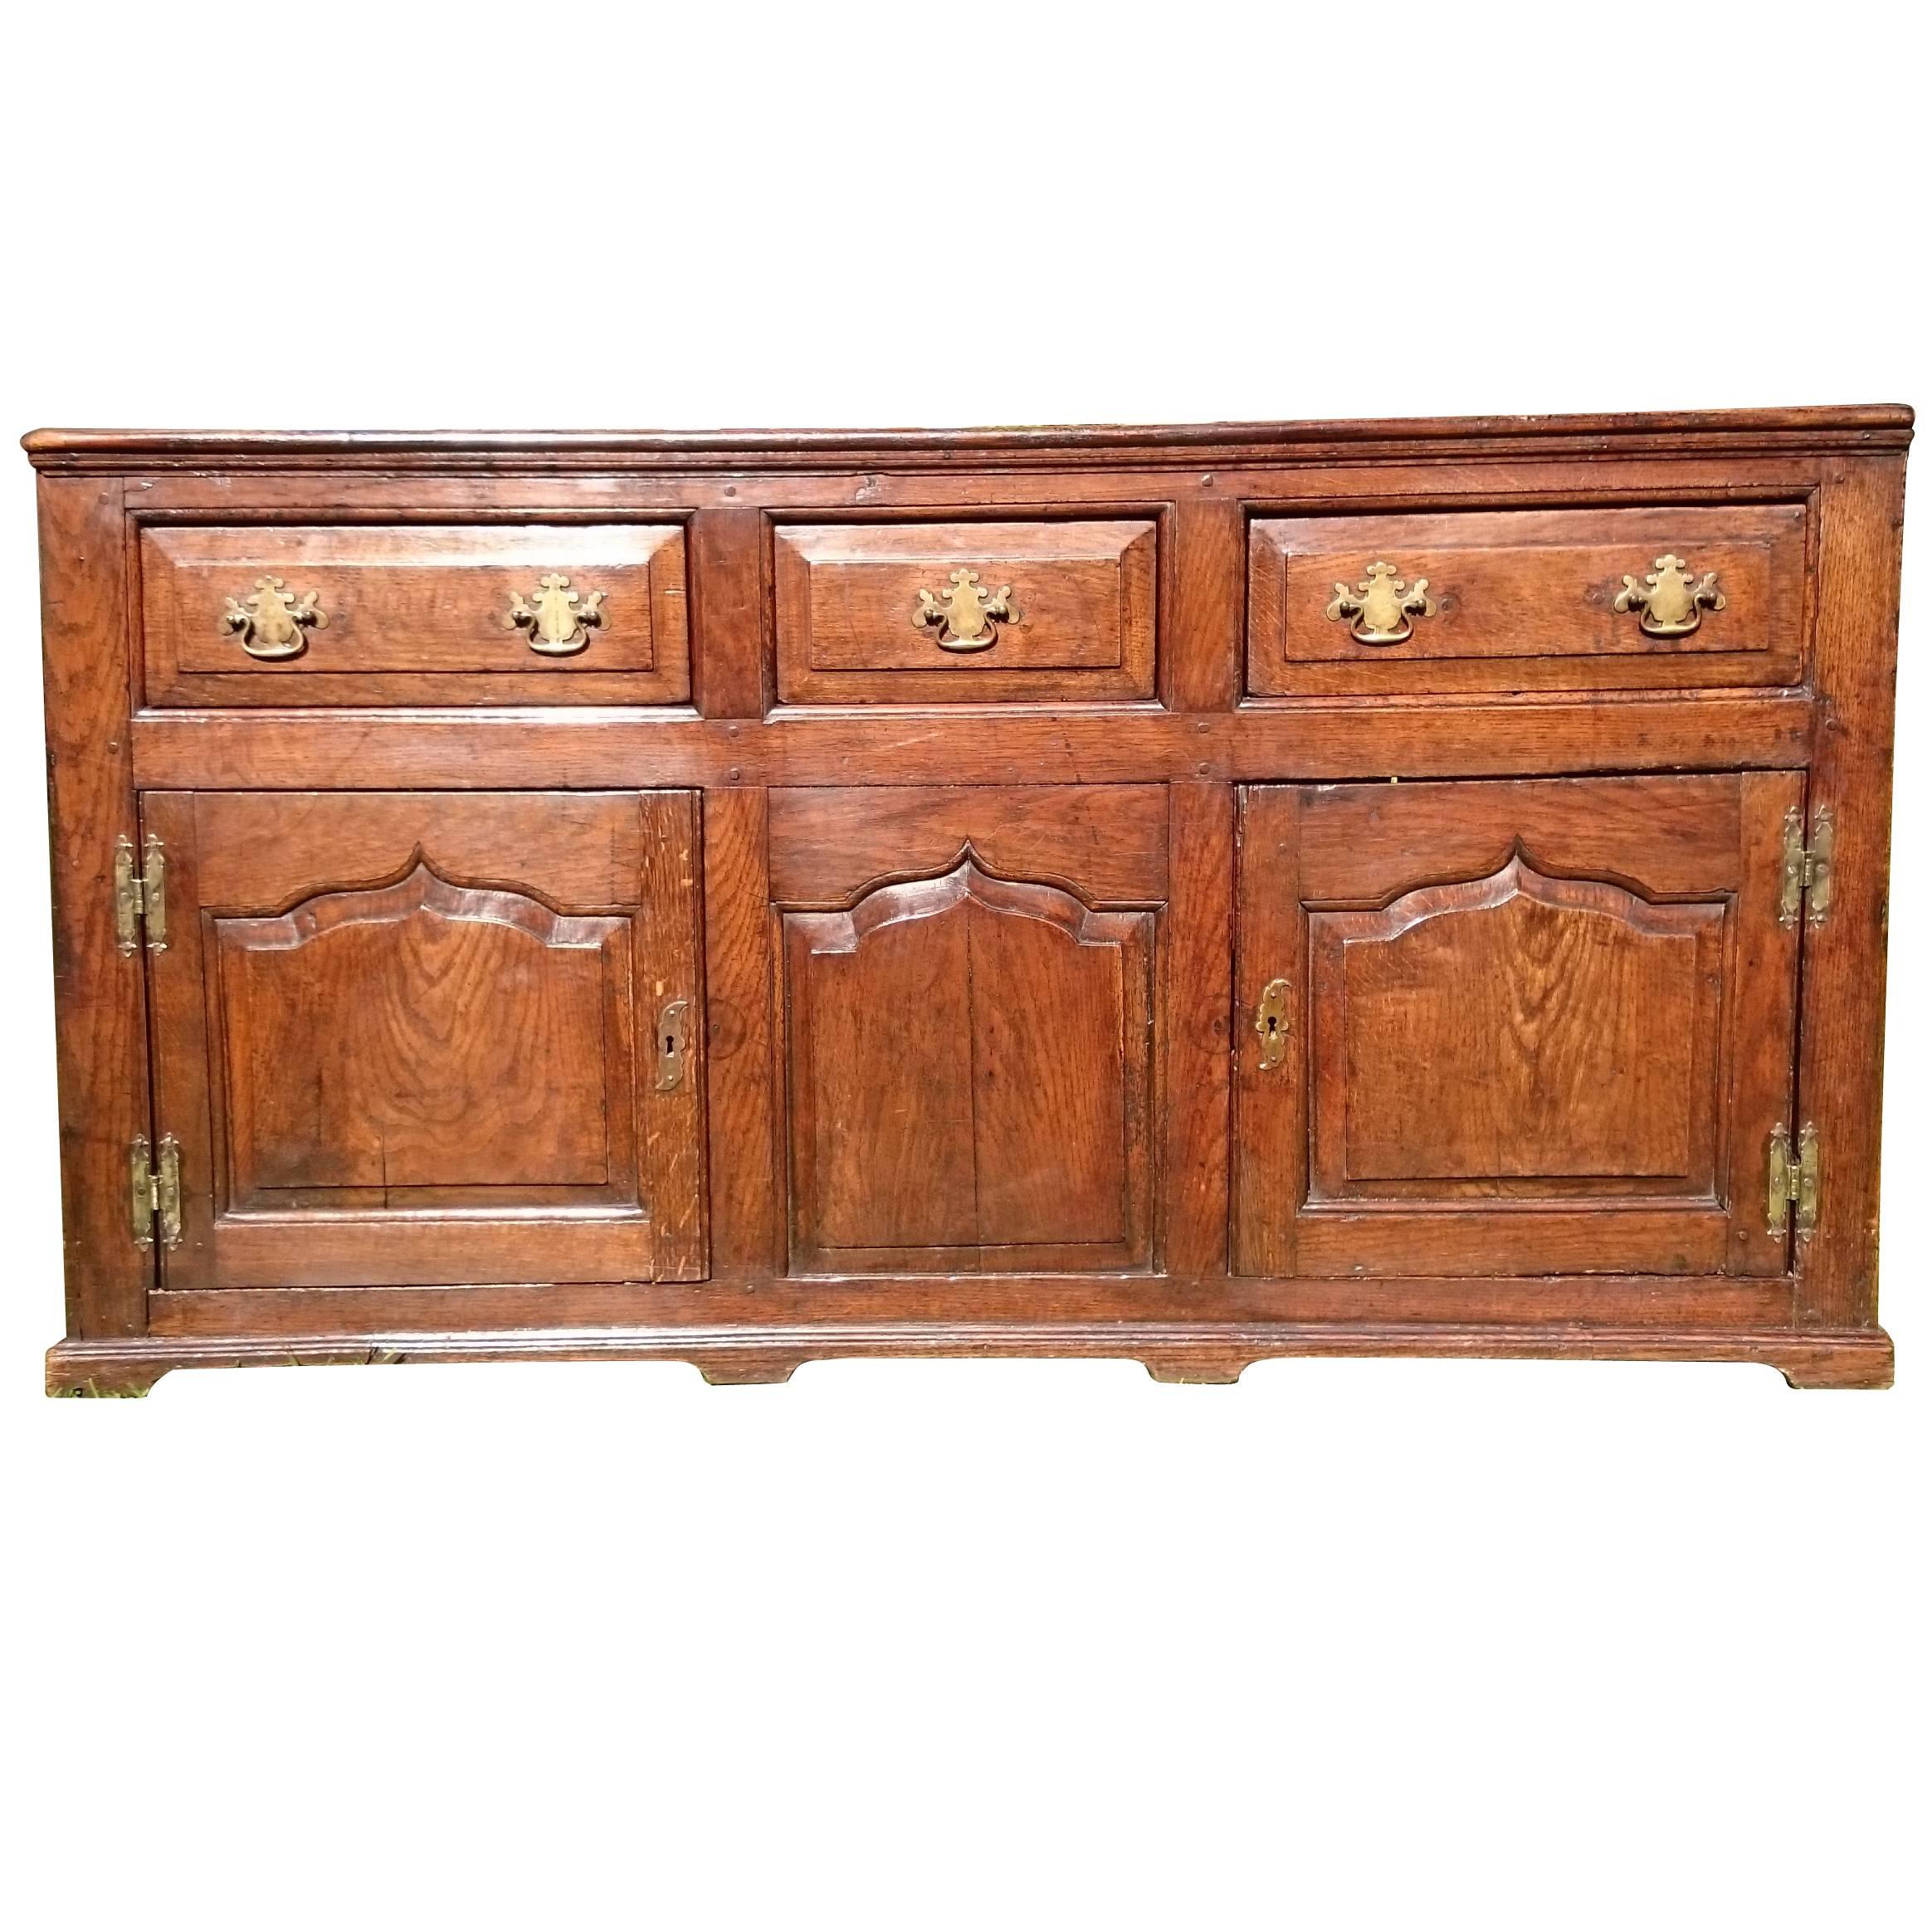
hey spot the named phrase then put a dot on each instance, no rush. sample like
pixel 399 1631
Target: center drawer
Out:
pixel 426 613
pixel 925 613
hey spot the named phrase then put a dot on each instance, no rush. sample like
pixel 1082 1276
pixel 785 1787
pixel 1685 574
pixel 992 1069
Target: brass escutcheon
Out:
pixel 1271 1022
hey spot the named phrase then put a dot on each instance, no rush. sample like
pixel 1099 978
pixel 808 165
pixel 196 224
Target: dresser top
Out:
pixel 1869 427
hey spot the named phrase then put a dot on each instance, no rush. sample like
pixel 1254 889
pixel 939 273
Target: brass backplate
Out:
pixel 559 621
pixel 673 1027
pixel 1271 1022
pixel 1669 603
pixel 967 617
pixel 1380 606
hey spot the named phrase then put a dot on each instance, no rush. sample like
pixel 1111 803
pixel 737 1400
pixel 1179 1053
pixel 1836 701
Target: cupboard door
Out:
pixel 423 1038
pixel 970 1012
pixel 1533 1027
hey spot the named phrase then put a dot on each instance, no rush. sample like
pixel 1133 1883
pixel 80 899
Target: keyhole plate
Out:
pixel 1271 1022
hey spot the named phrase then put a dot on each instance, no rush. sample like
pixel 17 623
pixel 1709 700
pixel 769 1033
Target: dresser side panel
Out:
pixel 99 1018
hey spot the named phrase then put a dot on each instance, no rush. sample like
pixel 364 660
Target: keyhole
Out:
pixel 1274 1026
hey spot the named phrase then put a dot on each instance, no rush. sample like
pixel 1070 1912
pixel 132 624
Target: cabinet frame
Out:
pixel 1201 740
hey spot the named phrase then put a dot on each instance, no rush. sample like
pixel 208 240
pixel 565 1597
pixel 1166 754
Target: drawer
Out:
pixel 1529 599
pixel 466 614
pixel 964 612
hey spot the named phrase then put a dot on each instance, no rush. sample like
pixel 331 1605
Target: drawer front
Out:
pixel 1509 600
pixel 965 613
pixel 431 614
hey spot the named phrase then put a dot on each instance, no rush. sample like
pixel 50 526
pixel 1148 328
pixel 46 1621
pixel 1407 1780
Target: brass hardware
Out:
pixel 1805 876
pixel 1818 869
pixel 140 1191
pixel 140 897
pixel 1271 1022
pixel 967 617
pixel 127 895
pixel 1667 601
pixel 154 1191
pixel 560 623
pixel 1381 606
pixel 1793 1182
pixel 672 1025
pixel 271 620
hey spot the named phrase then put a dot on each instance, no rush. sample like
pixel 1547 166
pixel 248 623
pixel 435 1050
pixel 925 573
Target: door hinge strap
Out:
pixel 1792 1180
pixel 1805 883
pixel 140 898
pixel 154 1191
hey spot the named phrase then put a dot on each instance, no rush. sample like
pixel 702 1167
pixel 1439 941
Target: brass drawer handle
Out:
pixel 968 617
pixel 559 623
pixel 271 620
pixel 1667 601
pixel 1381 606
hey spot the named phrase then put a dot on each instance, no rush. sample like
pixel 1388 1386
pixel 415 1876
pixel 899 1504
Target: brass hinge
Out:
pixel 140 898
pixel 1792 1181
pixel 1807 880
pixel 154 1191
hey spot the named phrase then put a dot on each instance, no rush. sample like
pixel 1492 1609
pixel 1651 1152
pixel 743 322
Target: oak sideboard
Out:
pixel 1190 895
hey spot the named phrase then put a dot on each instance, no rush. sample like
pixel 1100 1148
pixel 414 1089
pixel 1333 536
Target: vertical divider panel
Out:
pixel 746 1194
pixel 1271 1133
pixel 674 1122
pixel 1194 1080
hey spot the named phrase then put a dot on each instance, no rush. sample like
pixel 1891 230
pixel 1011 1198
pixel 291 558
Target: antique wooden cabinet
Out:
pixel 1192 895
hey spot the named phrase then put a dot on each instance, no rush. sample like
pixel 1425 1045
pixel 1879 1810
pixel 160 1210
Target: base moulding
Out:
pixel 1170 1352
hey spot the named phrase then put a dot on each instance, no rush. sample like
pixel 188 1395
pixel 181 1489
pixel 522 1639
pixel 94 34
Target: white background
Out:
pixel 934 1645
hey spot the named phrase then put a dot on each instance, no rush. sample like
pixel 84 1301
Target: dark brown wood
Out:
pixel 1172 1352
pixel 971 944
pixel 1878 426
pixel 1842 1040
pixel 100 1024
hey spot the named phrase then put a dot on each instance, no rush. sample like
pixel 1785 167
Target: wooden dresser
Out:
pixel 1188 895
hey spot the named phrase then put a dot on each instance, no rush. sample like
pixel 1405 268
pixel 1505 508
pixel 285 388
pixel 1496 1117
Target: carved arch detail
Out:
pixel 1519 878
pixel 893 903
pixel 421 890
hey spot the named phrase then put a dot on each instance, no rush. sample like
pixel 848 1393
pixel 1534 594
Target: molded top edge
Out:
pixel 1878 425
